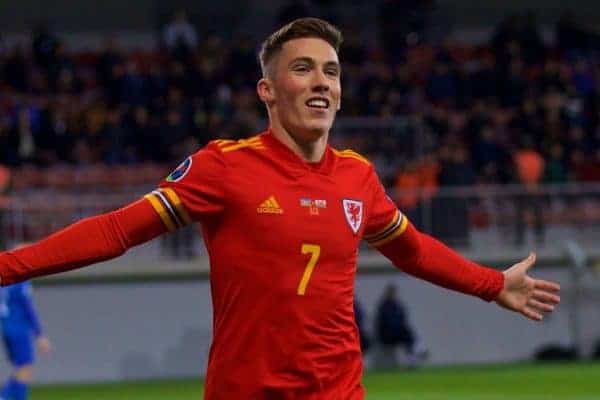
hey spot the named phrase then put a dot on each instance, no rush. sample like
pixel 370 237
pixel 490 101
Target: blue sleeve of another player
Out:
pixel 26 302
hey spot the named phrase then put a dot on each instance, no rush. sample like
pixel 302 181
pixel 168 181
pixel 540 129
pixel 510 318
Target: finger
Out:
pixel 545 297
pixel 532 314
pixel 538 305
pixel 546 285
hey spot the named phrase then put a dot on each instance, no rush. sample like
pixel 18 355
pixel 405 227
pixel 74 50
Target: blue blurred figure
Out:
pixel 21 330
pixel 394 329
pixel 365 341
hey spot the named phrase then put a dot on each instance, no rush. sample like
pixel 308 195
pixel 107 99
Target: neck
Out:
pixel 309 149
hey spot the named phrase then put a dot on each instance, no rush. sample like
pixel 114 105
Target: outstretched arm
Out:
pixel 85 242
pixel 526 295
pixel 423 256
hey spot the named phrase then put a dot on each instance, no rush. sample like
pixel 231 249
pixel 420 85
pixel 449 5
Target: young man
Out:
pixel 21 331
pixel 282 214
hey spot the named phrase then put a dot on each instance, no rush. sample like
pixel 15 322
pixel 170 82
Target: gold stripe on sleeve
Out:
pixel 162 212
pixel 394 234
pixel 178 204
pixel 393 222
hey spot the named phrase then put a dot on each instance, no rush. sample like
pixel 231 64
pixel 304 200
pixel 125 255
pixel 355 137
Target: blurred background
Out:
pixel 482 119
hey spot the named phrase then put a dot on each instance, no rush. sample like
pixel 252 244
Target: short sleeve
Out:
pixel 384 221
pixel 193 190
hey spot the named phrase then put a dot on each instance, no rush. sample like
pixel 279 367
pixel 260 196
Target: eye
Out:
pixel 332 71
pixel 301 68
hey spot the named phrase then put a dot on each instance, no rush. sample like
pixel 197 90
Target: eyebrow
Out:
pixel 312 62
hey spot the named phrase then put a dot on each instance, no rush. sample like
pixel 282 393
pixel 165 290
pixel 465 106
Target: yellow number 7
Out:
pixel 315 251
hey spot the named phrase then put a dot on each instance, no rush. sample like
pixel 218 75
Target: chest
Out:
pixel 311 208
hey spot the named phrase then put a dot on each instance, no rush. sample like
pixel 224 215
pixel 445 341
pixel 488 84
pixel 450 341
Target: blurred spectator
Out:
pixel 587 167
pixel 394 330
pixel 242 63
pixel 556 171
pixel 416 185
pixel 441 84
pixel 132 85
pixel 484 80
pixel 9 144
pixel 15 69
pixel 117 140
pixel 44 46
pixel 180 35
pixel 481 98
pixel 514 86
pixel 518 36
pixel 489 154
pixel 145 135
pixel 108 59
pixel 570 35
pixel 529 166
pixel 24 134
pixel 583 77
pixel 403 23
pixel 530 39
pixel 407 188
pixel 456 168
pixel 448 212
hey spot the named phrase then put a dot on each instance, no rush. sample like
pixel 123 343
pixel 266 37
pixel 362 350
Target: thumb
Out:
pixel 527 263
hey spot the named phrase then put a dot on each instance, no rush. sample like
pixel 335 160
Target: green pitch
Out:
pixel 500 382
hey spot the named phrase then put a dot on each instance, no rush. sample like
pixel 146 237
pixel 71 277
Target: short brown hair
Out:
pixel 297 29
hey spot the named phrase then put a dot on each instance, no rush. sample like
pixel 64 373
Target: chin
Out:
pixel 319 128
pixel 309 130
pixel 316 132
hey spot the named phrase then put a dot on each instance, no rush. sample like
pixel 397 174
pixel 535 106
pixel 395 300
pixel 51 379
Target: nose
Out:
pixel 319 82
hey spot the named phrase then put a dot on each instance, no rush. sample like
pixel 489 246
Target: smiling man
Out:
pixel 282 215
pixel 301 87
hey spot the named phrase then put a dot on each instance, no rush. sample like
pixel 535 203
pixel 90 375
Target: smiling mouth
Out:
pixel 318 103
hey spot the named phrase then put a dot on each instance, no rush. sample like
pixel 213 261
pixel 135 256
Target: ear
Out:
pixel 264 88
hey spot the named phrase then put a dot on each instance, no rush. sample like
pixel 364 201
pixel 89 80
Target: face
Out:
pixel 303 88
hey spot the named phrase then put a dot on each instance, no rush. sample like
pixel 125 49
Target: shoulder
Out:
pixel 350 159
pixel 351 156
pixel 221 148
pixel 214 158
pixel 240 146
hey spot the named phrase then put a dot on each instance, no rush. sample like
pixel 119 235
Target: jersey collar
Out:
pixel 288 157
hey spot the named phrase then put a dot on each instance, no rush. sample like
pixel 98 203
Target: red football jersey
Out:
pixel 282 236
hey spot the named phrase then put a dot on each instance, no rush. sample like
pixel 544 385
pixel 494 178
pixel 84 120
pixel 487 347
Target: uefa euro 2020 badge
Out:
pixel 181 170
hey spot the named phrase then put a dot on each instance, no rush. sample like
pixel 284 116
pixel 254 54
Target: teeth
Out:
pixel 317 103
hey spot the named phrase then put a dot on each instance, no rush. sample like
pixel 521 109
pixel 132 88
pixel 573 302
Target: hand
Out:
pixel 43 344
pixel 526 295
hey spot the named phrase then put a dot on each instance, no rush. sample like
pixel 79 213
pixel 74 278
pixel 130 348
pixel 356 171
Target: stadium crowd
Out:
pixel 475 109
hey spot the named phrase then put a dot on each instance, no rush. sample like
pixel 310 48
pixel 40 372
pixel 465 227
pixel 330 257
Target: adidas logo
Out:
pixel 269 206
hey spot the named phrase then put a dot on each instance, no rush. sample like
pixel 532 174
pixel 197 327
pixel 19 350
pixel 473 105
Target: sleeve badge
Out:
pixel 180 171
